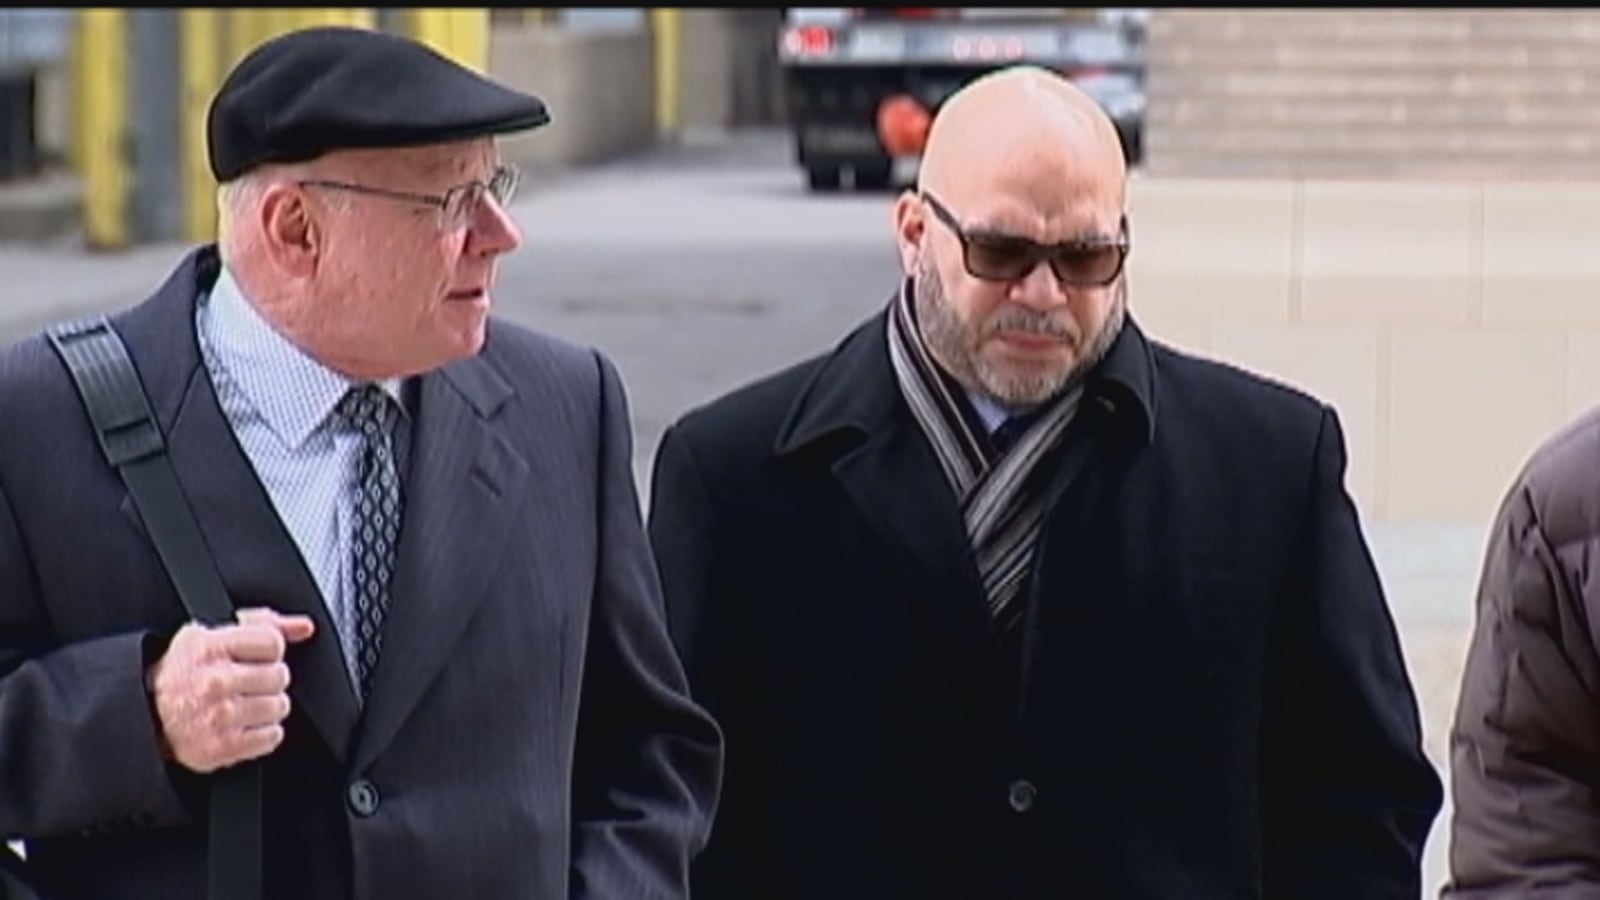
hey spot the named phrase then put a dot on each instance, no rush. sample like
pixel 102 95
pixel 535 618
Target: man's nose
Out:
pixel 493 229
pixel 1039 288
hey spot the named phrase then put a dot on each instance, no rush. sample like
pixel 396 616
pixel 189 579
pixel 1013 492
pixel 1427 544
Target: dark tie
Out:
pixel 370 411
pixel 1009 431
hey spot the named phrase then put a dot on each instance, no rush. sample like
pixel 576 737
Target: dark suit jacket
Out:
pixel 528 733
pixel 1209 700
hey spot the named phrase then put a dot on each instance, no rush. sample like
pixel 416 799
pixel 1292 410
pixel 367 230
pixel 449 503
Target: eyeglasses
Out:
pixel 457 205
pixel 1095 262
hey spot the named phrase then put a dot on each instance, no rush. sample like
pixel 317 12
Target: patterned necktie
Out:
pixel 376 527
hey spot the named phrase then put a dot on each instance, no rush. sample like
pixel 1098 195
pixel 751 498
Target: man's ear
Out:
pixel 290 232
pixel 910 226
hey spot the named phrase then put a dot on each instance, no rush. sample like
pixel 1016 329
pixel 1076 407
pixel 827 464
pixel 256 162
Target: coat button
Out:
pixel 363 797
pixel 1021 795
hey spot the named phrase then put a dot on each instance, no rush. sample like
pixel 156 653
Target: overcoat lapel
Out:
pixel 895 484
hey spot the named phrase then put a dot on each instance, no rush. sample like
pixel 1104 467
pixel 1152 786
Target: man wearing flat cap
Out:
pixel 450 662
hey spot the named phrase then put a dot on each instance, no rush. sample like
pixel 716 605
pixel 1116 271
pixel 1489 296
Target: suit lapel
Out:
pixel 257 559
pixel 894 482
pixel 464 487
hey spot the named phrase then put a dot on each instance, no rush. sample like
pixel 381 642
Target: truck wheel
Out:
pixel 822 177
pixel 873 176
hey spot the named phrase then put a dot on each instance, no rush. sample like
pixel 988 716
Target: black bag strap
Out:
pixel 132 442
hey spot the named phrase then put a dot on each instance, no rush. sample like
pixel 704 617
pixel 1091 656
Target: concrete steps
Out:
pixel 1473 93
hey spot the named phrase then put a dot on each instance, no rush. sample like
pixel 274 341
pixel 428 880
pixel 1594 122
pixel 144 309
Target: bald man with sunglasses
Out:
pixel 1003 599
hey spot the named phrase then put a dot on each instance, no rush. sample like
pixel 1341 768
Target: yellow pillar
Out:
pixel 355 17
pixel 100 86
pixel 245 29
pixel 200 35
pixel 213 41
pixel 667 30
pixel 461 34
pixel 248 27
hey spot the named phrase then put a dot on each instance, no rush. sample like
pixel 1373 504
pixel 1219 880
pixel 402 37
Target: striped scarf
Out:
pixel 1000 502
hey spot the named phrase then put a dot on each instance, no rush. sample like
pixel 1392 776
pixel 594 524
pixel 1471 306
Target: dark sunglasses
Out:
pixel 1002 257
pixel 456 206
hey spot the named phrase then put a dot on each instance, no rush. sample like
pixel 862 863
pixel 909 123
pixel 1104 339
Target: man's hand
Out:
pixel 221 694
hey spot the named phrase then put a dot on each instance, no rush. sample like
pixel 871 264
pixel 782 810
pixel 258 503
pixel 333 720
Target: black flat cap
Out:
pixel 304 93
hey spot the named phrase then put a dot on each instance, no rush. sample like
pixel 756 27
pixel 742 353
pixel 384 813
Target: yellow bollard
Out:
pixel 200 36
pixel 213 41
pixel 245 29
pixel 100 86
pixel 248 27
pixel 350 16
pixel 461 34
pixel 666 26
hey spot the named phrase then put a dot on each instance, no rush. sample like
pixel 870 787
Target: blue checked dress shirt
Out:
pixel 284 408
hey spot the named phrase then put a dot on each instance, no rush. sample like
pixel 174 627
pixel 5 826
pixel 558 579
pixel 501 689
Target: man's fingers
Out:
pixel 257 742
pixel 257 679
pixel 296 628
pixel 251 713
pixel 221 693
pixel 256 615
pixel 293 628
pixel 252 643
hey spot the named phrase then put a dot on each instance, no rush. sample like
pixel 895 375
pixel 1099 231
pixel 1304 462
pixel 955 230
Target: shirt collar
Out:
pixel 293 392
pixel 992 412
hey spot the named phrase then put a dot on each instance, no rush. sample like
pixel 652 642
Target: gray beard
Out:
pixel 954 344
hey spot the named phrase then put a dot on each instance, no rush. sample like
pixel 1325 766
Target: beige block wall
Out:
pixel 600 86
pixel 729 67
pixel 1452 325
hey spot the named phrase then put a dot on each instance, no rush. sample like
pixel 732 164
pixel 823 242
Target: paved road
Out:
pixel 702 266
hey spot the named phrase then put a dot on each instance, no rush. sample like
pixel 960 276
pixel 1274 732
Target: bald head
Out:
pixel 1019 165
pixel 1023 128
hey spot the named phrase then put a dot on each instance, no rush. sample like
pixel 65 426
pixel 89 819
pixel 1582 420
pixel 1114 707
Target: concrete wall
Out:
pixel 1374 93
pixel 730 67
pixel 1452 324
pixel 53 114
pixel 600 86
